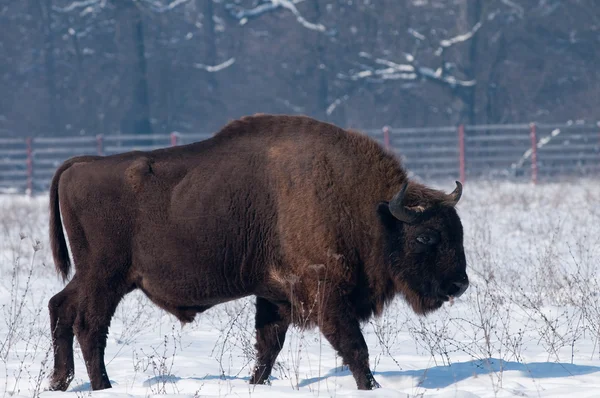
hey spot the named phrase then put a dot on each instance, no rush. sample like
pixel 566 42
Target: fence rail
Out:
pixel 510 151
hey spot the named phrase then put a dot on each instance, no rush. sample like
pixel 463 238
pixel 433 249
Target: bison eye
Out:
pixel 427 239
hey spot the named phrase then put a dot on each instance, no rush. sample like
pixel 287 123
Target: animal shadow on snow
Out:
pixel 174 379
pixel 444 376
pixel 170 379
pixel 87 386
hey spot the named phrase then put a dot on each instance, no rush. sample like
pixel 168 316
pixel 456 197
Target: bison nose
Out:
pixel 460 288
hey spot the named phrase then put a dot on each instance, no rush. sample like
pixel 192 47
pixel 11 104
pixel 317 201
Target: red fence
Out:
pixel 509 151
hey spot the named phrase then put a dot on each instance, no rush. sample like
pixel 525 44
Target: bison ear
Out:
pixel 386 216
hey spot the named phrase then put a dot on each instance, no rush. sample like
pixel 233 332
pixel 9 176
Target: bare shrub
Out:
pixel 22 324
pixel 160 361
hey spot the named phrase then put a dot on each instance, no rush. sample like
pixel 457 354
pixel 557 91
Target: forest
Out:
pixel 88 67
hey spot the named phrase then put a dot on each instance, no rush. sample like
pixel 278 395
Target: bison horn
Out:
pixel 400 211
pixel 456 194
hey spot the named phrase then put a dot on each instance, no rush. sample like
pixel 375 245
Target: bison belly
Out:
pixel 212 242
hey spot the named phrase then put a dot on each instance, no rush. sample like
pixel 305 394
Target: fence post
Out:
pixel 461 153
pixel 386 137
pixel 100 144
pixel 174 139
pixel 534 165
pixel 29 144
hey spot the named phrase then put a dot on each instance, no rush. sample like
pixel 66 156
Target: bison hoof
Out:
pixel 260 375
pixel 60 383
pixel 371 383
pixel 257 380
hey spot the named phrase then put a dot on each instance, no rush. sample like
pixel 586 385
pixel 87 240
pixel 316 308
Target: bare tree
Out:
pixel 128 27
pixel 132 60
pixel 43 12
pixel 380 70
pixel 93 66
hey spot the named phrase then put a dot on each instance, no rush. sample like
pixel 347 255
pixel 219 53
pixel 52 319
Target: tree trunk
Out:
pixel 210 53
pixel 44 9
pixel 134 78
pixel 165 83
pixel 322 92
pixel 469 15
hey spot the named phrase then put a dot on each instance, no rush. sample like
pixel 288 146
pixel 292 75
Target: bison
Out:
pixel 320 223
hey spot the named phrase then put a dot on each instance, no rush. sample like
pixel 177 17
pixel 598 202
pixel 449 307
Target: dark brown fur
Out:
pixel 286 208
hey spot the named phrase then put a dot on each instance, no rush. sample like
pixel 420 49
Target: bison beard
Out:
pixel 286 208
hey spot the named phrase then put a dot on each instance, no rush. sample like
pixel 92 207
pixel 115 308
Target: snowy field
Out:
pixel 528 326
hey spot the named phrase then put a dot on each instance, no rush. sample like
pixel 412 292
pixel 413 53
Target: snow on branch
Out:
pixel 91 5
pixel 516 7
pixel 243 14
pixel 415 34
pixel 216 68
pixel 381 69
pixel 407 71
pixel 444 44
pixel 80 4
pixel 158 7
pixel 527 154
pixel 332 107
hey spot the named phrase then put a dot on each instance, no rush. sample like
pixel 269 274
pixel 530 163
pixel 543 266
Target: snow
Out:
pixel 528 325
pixel 242 14
pixel 77 4
pixel 395 71
pixel 458 39
pixel 216 68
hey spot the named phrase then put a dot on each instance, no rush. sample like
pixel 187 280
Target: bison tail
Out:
pixel 57 236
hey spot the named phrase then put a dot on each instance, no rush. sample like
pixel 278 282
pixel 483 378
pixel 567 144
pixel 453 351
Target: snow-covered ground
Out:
pixel 528 326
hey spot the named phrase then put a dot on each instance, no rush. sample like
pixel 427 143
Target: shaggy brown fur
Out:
pixel 286 208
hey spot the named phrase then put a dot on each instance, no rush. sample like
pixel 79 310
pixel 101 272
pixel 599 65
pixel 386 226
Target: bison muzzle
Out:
pixel 321 224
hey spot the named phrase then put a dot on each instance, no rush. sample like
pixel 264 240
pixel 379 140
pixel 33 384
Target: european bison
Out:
pixel 319 223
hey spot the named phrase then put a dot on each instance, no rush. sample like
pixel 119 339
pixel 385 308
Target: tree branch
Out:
pixel 243 14
pixel 332 107
pixel 80 4
pixel 411 70
pixel 157 7
pixel 516 7
pixel 154 5
pixel 408 71
pixel 444 44
pixel 216 68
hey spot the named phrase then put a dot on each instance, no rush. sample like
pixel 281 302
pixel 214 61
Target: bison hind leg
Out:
pixel 62 308
pixel 94 313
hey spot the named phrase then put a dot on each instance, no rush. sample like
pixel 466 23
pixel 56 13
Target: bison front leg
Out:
pixel 271 327
pixel 341 328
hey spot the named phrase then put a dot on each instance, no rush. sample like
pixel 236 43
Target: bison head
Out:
pixel 424 246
